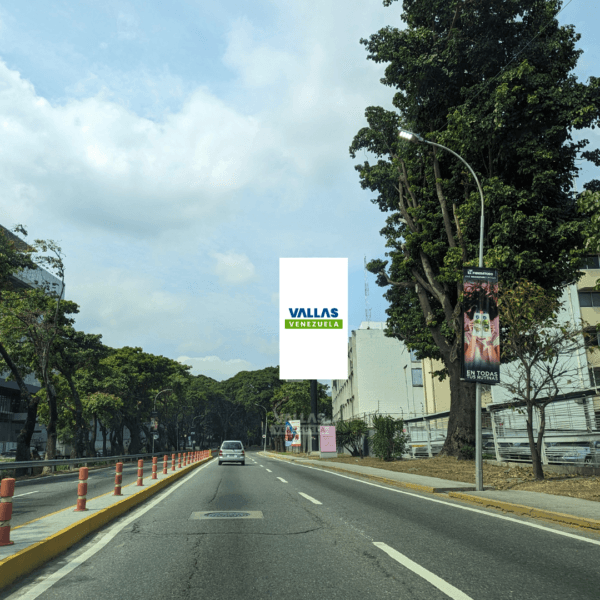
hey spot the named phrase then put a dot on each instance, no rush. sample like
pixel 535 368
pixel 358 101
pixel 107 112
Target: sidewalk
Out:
pixel 39 541
pixel 559 509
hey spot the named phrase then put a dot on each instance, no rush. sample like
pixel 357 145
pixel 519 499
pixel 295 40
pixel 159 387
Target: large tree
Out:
pixel 492 80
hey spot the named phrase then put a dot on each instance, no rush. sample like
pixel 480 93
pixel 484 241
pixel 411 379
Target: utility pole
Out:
pixel 313 410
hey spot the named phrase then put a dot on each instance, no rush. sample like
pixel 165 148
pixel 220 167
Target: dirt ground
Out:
pixel 496 476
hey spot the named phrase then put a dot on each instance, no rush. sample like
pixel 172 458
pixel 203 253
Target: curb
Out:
pixel 528 511
pixel 34 556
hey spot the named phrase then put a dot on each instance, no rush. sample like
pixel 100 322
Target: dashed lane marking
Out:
pixel 310 498
pixel 436 581
pixel 281 479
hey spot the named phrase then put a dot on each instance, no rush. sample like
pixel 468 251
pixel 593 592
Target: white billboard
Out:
pixel 313 318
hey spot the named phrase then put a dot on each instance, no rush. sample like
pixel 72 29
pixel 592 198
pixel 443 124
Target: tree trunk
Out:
pixel 51 427
pixel 135 444
pixel 81 432
pixel 104 433
pixel 91 450
pixel 461 423
pixel 26 433
pixel 536 455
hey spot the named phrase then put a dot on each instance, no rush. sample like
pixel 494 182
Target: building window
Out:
pixel 589 299
pixel 592 338
pixel 417 377
pixel 591 262
pixel 413 356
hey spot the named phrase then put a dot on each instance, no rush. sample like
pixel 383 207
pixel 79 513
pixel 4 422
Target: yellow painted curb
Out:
pixel 27 560
pixel 528 511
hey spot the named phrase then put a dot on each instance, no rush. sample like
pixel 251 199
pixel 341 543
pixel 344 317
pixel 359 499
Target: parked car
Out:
pixel 9 454
pixel 232 451
pixel 579 453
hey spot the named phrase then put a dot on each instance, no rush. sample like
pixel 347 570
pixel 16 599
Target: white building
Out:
pixel 383 377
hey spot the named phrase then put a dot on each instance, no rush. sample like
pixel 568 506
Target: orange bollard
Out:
pixel 172 462
pixel 82 489
pixel 179 461
pixel 154 466
pixel 7 491
pixel 140 479
pixel 118 479
pixel 165 461
pixel 185 459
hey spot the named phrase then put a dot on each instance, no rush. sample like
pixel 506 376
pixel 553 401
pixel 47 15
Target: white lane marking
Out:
pixel 26 493
pixel 438 582
pixel 310 498
pixel 262 466
pixel 475 510
pixel 40 588
pixel 281 479
pixel 268 470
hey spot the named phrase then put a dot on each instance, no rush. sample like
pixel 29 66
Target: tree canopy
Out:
pixel 493 81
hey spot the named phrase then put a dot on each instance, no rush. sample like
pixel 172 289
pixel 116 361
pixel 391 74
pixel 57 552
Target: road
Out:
pixel 316 534
pixel 35 498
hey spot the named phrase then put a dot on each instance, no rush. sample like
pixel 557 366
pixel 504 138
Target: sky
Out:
pixel 176 150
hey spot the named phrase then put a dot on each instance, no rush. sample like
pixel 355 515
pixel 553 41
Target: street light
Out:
pixel 265 438
pixel 154 413
pixel 417 139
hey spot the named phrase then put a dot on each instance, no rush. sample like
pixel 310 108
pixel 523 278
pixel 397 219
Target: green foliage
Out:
pixel 389 440
pixel 293 398
pixel 468 452
pixel 463 78
pixel 350 434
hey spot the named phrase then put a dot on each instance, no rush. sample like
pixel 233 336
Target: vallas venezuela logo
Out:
pixel 305 318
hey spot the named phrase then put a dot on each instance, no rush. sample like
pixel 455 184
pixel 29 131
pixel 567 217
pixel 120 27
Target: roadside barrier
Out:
pixel 118 479
pixel 82 489
pixel 7 490
pixel 165 461
pixel 154 467
pixel 179 457
pixel 140 477
pixel 172 462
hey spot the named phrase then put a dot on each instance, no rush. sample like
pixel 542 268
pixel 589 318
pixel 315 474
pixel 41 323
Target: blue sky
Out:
pixel 176 150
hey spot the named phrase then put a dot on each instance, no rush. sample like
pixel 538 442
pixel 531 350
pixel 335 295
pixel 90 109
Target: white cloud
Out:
pixel 234 268
pixel 215 367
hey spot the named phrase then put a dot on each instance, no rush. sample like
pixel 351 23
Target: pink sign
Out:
pixel 327 434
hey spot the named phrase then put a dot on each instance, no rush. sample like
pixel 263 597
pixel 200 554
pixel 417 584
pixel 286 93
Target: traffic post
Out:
pixel 118 479
pixel 7 490
pixel 82 489
pixel 140 474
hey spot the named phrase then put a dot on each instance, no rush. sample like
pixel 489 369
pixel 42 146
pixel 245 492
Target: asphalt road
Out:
pixel 315 534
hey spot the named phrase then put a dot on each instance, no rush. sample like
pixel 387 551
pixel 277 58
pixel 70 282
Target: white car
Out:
pixel 232 451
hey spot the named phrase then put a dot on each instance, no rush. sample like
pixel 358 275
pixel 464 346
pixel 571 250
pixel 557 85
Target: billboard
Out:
pixel 481 326
pixel 313 318
pixel 327 434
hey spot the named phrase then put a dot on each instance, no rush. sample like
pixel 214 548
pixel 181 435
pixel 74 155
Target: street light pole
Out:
pixel 417 139
pixel 265 438
pixel 154 412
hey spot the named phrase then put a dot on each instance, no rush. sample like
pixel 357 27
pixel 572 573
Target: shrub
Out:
pixel 468 452
pixel 389 440
pixel 349 434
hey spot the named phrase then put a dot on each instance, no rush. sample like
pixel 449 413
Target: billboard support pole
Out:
pixel 314 444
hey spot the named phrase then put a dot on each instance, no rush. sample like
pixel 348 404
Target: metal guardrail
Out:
pixel 30 464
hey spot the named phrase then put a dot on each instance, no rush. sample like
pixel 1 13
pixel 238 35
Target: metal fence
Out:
pixel 571 435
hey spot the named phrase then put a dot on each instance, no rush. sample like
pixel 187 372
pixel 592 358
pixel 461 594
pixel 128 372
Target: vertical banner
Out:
pixel 313 318
pixel 296 435
pixel 481 326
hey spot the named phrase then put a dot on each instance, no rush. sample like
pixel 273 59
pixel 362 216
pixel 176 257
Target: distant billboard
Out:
pixel 313 318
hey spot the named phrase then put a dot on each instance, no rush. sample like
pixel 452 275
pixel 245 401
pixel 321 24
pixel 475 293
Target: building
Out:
pixel 383 377
pixel 589 304
pixel 13 411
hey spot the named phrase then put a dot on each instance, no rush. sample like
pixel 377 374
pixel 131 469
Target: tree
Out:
pixel 492 80
pixel 589 207
pixel 350 434
pixel 541 351
pixel 389 439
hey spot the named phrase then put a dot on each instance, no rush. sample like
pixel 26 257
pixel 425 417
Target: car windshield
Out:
pixel 232 446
